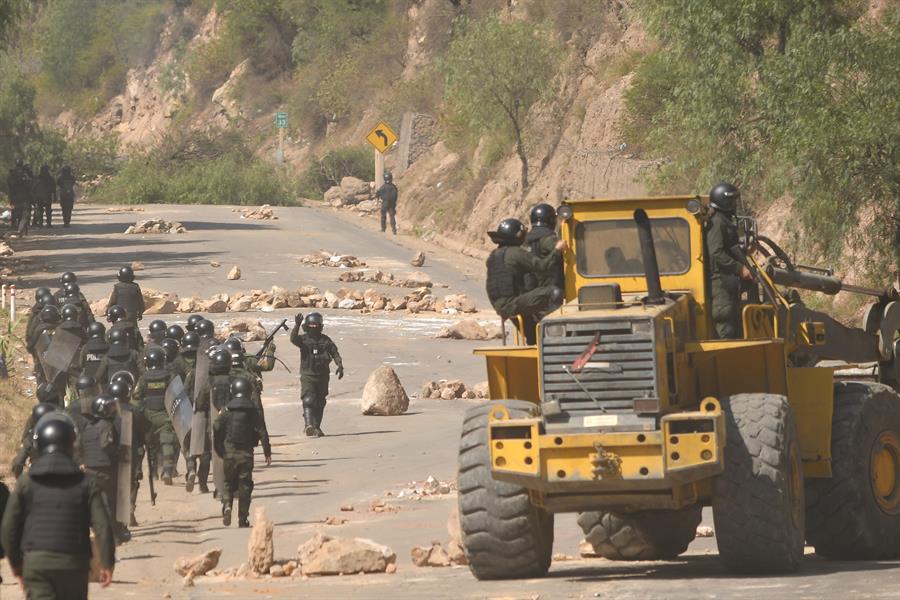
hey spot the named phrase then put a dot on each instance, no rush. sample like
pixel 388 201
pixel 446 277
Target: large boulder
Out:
pixel 354 190
pixel 324 555
pixel 417 279
pixel 334 196
pixel 469 329
pixel 384 394
pixel 159 306
pixel 261 545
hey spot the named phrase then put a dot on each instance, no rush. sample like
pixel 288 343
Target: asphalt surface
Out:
pixel 362 459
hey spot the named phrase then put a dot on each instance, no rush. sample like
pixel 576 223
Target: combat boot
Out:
pixel 204 489
pixel 243 522
pixel 189 479
pixel 226 515
pixel 309 417
pixel 167 476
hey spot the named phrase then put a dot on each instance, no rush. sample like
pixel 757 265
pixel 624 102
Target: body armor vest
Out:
pixel 128 296
pixel 58 516
pixel 156 380
pixel 219 390
pixel 502 280
pixel 241 429
pixel 93 435
pixel 94 351
pixel 316 357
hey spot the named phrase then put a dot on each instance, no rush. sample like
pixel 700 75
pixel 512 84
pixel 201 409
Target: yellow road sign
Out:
pixel 382 137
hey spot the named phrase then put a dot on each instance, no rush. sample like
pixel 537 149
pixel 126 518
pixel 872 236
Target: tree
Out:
pixel 495 71
pixel 783 97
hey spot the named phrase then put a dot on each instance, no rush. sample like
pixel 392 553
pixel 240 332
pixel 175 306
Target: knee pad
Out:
pixel 309 400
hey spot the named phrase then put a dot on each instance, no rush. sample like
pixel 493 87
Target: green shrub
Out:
pixel 329 169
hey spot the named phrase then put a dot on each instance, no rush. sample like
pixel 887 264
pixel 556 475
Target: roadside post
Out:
pixel 281 123
pixel 382 138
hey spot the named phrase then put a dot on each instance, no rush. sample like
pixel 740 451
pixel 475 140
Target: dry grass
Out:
pixel 15 406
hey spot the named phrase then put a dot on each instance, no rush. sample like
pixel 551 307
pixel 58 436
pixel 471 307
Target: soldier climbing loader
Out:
pixel 629 412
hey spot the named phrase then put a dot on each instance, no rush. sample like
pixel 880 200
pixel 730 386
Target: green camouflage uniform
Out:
pixel 724 275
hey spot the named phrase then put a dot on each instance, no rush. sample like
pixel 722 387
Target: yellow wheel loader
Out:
pixel 629 412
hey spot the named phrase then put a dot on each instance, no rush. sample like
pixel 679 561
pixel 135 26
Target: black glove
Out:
pixel 339 371
pixel 298 319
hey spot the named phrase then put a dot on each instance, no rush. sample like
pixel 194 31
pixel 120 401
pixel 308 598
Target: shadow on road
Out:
pixel 358 433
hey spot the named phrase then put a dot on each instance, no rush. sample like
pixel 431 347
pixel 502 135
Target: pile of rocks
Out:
pixel 262 213
pixel 413 280
pixel 5 250
pixel 435 555
pixel 351 192
pixel 156 226
pixel 416 490
pixel 324 258
pixel 453 389
pixel 125 209
pixel 470 329
pixel 249 330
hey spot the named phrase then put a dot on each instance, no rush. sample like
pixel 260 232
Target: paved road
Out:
pixel 363 458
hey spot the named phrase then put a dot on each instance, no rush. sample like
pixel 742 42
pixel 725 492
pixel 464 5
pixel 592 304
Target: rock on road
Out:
pixel 363 459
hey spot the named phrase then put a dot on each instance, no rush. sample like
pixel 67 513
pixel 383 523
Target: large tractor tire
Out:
pixel 855 515
pixel 505 536
pixel 758 504
pixel 647 535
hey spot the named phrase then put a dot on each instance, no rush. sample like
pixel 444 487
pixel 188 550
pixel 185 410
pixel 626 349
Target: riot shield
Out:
pixel 201 370
pixel 218 463
pixel 199 432
pixel 178 405
pixel 123 479
pixel 61 353
pixel 43 343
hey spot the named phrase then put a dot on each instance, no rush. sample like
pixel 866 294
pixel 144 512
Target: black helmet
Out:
pixel 97 330
pixel 171 348
pixel 510 232
pixel 116 313
pixel 192 322
pixel 55 434
pixel 69 312
pixel 103 406
pixel 205 328
pixel 124 378
pixel 314 322
pixel 119 390
pixel 543 215
pixel 234 346
pixel 41 409
pixel 155 358
pixel 126 274
pixel 220 362
pixel 50 314
pixel 190 342
pixel 240 387
pixel 71 289
pixel 175 332
pixel 388 177
pixel 41 291
pixel 118 336
pixel 724 197
pixel 85 382
pixel 158 329
pixel 67 277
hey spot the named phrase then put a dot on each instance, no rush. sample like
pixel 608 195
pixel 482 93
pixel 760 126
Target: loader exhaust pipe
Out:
pixel 648 255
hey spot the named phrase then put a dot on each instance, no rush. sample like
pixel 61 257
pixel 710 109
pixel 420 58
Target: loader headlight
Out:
pixel 558 330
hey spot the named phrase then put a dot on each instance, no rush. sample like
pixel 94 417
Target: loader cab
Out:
pixel 604 268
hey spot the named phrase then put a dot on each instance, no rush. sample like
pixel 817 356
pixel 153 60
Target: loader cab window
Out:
pixel 612 249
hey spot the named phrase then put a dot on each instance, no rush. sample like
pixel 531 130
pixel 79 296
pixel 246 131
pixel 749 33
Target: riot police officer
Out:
pixel 67 277
pixel 388 193
pixel 725 269
pixel 507 267
pixel 117 317
pixel 86 390
pixel 157 331
pixel 317 351
pixel 46 527
pixel 212 397
pixel 100 444
pixel 236 433
pixel 24 453
pixel 119 357
pixel 73 295
pixel 151 393
pixel 41 334
pixel 127 294
pixel 94 349
pixel 541 240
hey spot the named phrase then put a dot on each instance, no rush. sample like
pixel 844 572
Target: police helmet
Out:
pixel 126 274
pixel 85 382
pixel 510 232
pixel 116 313
pixel 543 215
pixel 40 409
pixel 41 291
pixel 234 346
pixel 388 177
pixel 118 336
pixel 125 378
pixel 313 322
pixel 103 406
pixel 205 328
pixel 67 277
pixel 158 329
pixel 54 434
pixel 170 347
pixel 69 312
pixel 724 196
pixel 155 358
pixel 192 322
pixel 71 289
pixel 96 330
pixel 50 314
pixel 190 342
pixel 119 390
pixel 240 387
pixel 220 362
pixel 175 332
